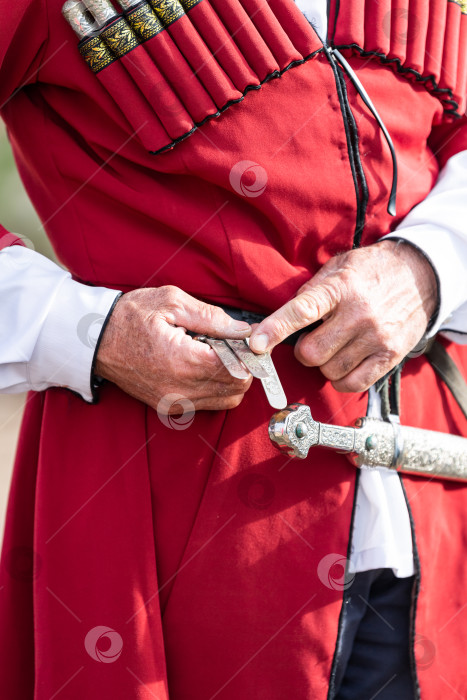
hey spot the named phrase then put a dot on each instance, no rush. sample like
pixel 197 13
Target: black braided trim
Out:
pixel 271 76
pixel 444 94
pixel 415 594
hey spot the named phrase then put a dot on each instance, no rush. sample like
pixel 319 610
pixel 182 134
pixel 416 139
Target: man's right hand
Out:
pixel 146 352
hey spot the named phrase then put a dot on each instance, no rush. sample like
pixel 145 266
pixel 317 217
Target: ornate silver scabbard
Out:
pixel 373 443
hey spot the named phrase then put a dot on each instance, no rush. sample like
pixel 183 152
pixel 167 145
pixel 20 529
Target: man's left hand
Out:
pixel 375 304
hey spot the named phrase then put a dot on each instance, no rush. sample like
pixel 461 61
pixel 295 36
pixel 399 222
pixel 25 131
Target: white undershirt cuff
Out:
pixel 67 340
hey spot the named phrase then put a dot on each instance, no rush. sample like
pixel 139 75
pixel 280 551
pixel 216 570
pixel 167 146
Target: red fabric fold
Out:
pixel 448 77
pixel 247 37
pixel 272 32
pixel 461 89
pixel 160 95
pixel 203 63
pixel 350 26
pixel 426 39
pixel 295 25
pixel 397 25
pixel 435 39
pixel 222 45
pixel 377 25
pixel 173 65
pixel 145 124
pixel 418 18
pixel 169 75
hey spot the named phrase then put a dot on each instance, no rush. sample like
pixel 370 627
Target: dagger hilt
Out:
pixel 373 443
pixel 294 432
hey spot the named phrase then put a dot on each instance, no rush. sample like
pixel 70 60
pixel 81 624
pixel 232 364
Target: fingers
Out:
pixel 198 371
pixel 319 347
pixel 219 403
pixel 356 365
pixel 209 396
pixel 202 395
pixel 181 309
pixel 365 374
pixel 203 363
pixel 309 306
pixel 212 387
pixel 211 403
pixel 352 359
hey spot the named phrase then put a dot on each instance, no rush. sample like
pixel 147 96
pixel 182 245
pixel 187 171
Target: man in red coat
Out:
pixel 187 558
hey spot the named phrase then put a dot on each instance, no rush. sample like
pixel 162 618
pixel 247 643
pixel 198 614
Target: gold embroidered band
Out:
pixel 96 53
pixel 462 4
pixel 167 10
pixel 144 22
pixel 188 4
pixel 119 37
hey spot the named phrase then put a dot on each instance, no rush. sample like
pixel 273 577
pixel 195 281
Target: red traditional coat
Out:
pixel 142 560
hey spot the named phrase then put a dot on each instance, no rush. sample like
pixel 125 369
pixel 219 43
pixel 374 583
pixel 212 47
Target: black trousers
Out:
pixel 373 652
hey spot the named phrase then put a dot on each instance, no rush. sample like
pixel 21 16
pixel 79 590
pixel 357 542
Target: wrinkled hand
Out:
pixel 375 304
pixel 146 352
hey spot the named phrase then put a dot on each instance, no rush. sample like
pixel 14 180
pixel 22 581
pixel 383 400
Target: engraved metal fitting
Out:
pixel 128 4
pixel 102 10
pixel 293 430
pixel 79 18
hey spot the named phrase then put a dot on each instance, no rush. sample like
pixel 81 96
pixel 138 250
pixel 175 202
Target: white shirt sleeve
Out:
pixel 438 227
pixel 49 324
pixel 316 13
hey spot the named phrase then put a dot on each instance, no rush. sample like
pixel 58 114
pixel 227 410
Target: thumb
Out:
pixel 306 308
pixel 211 320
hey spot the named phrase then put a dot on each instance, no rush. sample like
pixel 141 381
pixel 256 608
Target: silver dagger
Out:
pixel 373 443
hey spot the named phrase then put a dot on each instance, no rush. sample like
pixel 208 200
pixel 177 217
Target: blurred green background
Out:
pixel 18 216
pixel 16 211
